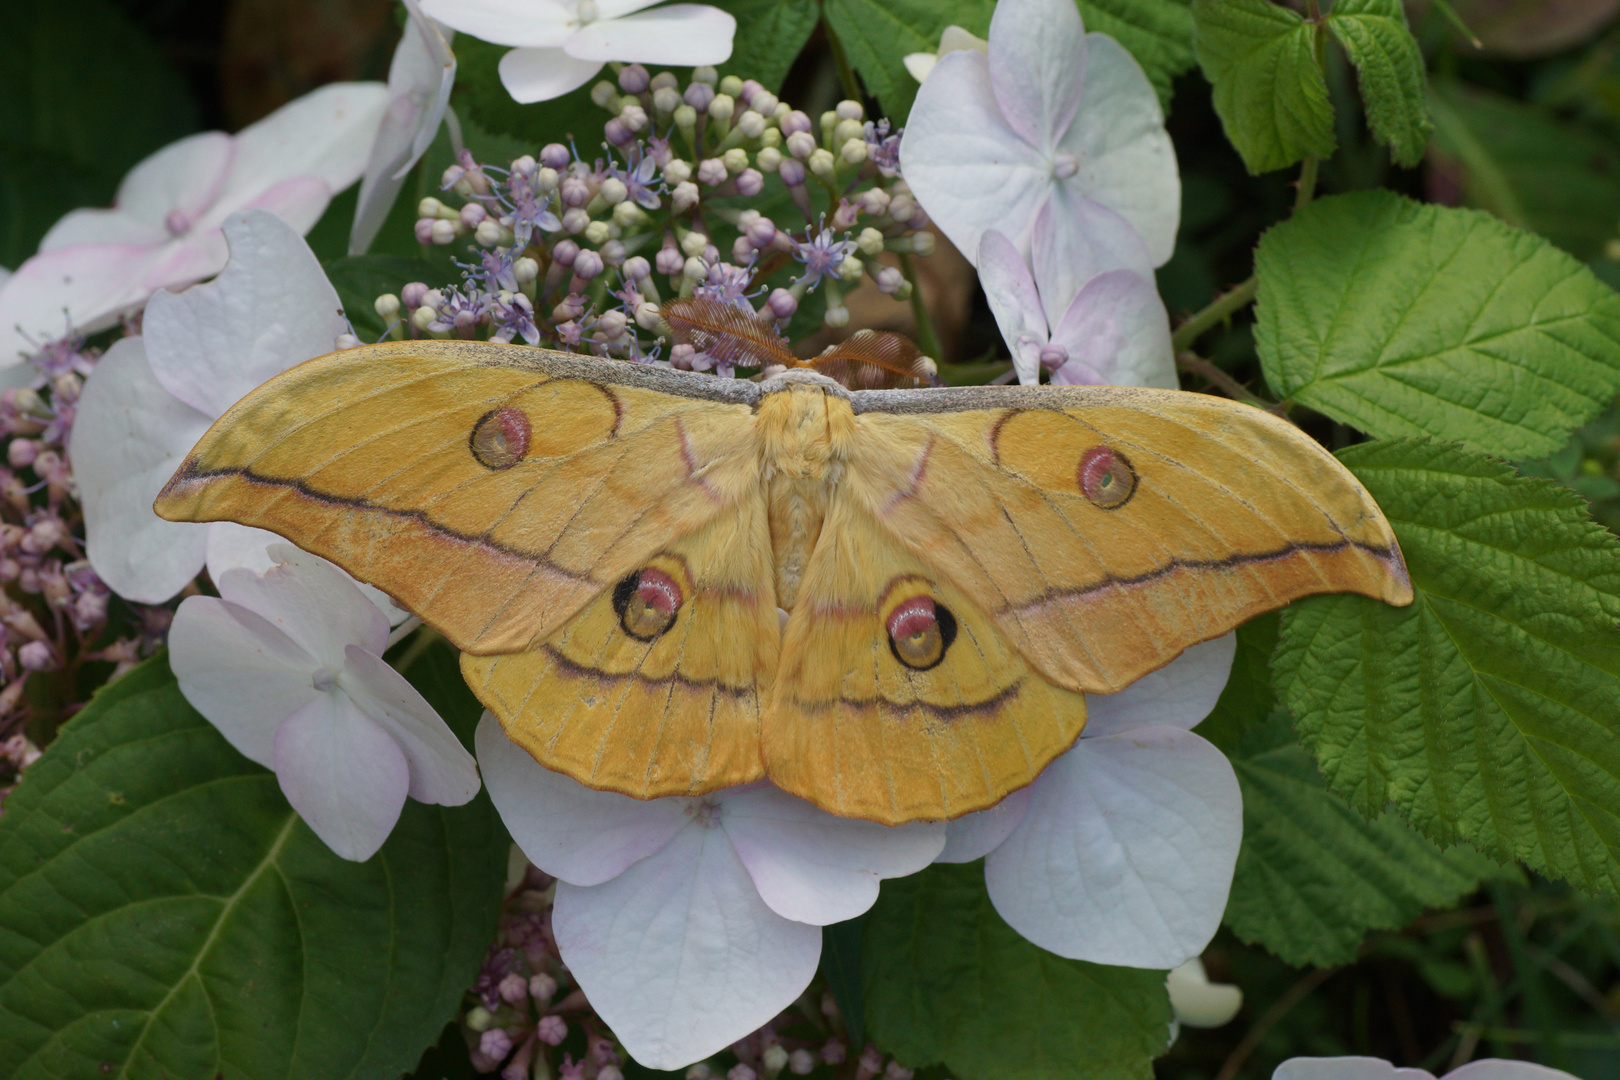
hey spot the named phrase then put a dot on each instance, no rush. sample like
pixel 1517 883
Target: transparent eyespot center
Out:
pixel 1106 478
pixel 647 603
pixel 500 438
pixel 920 631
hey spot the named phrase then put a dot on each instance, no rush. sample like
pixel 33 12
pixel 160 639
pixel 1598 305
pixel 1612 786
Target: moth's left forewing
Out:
pixel 1108 529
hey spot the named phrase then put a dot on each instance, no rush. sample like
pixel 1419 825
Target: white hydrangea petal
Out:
pixel 814 867
pixel 181 179
pixel 1127 162
pixel 1126 855
pixel 1037 66
pixel 442 771
pixel 1197 1002
pixel 967 168
pixel 326 135
pixel 684 34
pixel 1494 1069
pixel 232 546
pixel 1349 1068
pixel 568 830
pixel 615 9
pixel 1180 694
pixel 94 225
pixel 342 773
pixel 1117 333
pixel 298 200
pixel 1010 289
pixel 919 64
pixel 540 74
pixel 270 309
pixel 524 23
pixel 679 955
pixel 973 836
pixel 1075 239
pixel 129 436
pixel 86 285
pixel 311 601
pixel 239 671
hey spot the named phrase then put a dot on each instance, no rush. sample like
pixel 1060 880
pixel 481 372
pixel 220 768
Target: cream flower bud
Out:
pixel 685 116
pixel 488 233
pixel 822 164
pixel 443 232
pixel 850 110
pixel 423 316
pixel 837 316
pixel 869 242
pixel 851 268
pixel 723 107
pixel 769 159
pixel 772 137
pixel 922 243
pixel 633 116
pixel 705 74
pixel 627 215
pixel 695 269
pixel 677 172
pixel 735 160
pixel 605 95
pixel 545 181
pixel 525 270
pixel 685 196
pixel 596 233
pixel 613 190
pixel 853 151
pixel 732 85
pixel 387 305
pixel 846 130
pixel 801 144
pixel 693 243
pixel 902 207
pixel 666 99
pixel 647 316
pixel 574 220
pixel 766 102
pixel 751 124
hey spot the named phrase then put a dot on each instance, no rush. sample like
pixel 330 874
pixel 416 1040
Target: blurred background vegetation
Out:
pixel 1527 126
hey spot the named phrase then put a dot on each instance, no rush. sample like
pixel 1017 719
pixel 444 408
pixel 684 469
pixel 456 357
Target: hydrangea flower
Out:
pixel 1366 1068
pixel 151 398
pixel 951 39
pixel 1083 323
pixel 689 922
pixel 561 44
pixel 1051 115
pixel 420 78
pixel 163 229
pixel 288 666
pixel 1122 850
pixel 1197 1002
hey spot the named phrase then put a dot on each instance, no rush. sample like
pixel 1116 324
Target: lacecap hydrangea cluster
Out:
pixel 687 198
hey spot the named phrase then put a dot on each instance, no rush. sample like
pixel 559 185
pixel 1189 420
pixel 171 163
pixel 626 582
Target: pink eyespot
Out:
pixel 1106 478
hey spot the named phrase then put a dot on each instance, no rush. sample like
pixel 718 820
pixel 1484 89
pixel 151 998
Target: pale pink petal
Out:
pixel 325 135
pixel 86 285
pixel 967 168
pixel 1014 302
pixel 241 673
pixel 201 254
pixel 1037 66
pixel 442 771
pixel 231 546
pixel 685 34
pixel 311 601
pixel 342 773
pixel 813 867
pixel 419 83
pixel 1126 160
pixel 540 74
pixel 129 437
pixel 524 23
pixel 98 226
pixel 565 828
pixel 1075 239
pixel 1180 694
pixel 270 309
pixel 679 955
pixel 1127 852
pixel 973 836
pixel 1117 333
pixel 1495 1069
pixel 299 201
pixel 1352 1068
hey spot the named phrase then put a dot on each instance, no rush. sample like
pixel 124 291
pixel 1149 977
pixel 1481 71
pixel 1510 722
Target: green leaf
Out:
pixel 876 35
pixel 360 279
pixel 1390 64
pixel 164 913
pixel 1247 699
pixel 1528 166
pixel 1270 92
pixel 1404 319
pixel 770 36
pixel 1485 711
pixel 87 95
pixel 946 980
pixel 1159 33
pixel 841 967
pixel 1313 876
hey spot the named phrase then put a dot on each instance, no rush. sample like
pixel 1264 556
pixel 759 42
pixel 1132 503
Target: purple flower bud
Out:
pixel 618 132
pixel 574 191
pixel 613 252
pixel 750 182
pixel 741 250
pixel 513 988
pixel 698 95
pixel 1053 355
pixel 36 656
pixel 525 165
pixel 575 220
pixel 636 267
pixel 795 122
pixel 833 1053
pixel 711 254
pixel 611 325
pixel 552 1030
pixel 871 1061
pixel 681 356
pixel 473 214
pixel 782 303
pixel 21 453
pixel 761 232
pixel 555 156
pixel 633 79
pixel 670 260
pixel 889 280
pixel 792 172
pixel 424 230
pixel 845 216
pixel 875 201
pixel 750 87
pixel 563 254
pixel 711 171
pixel 741 1072
pixel 587 264
pixel 411 295
pixel 495 1044
pixel 801 1062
